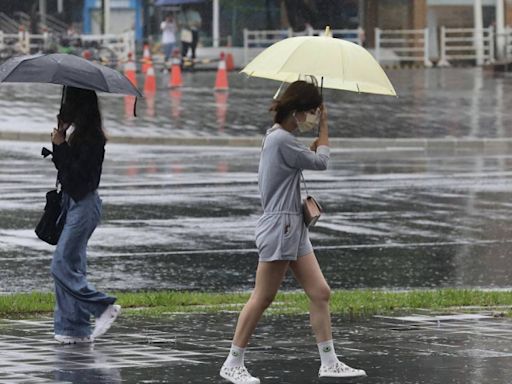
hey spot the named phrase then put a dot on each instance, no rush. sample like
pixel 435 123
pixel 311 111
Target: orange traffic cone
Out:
pixel 130 69
pixel 146 59
pixel 230 63
pixel 175 79
pixel 150 83
pixel 221 82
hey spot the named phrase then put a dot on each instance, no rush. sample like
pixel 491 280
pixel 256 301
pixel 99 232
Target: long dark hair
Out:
pixel 300 96
pixel 81 108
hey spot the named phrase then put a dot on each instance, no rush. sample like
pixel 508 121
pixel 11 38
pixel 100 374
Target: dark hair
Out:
pixel 299 96
pixel 81 107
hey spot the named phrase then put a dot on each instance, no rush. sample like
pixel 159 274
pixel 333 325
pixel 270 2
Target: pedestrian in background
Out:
pixel 78 159
pixel 168 28
pixel 282 237
pixel 190 22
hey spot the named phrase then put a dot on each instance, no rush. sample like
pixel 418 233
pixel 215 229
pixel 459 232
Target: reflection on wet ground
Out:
pixel 184 217
pixel 418 349
pixel 456 102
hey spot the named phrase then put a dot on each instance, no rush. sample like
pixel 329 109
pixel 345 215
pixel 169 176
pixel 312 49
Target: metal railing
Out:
pixel 7 24
pixel 54 25
pixel 461 44
pixel 407 45
pixel 265 38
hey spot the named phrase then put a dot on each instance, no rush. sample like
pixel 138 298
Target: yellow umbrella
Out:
pixel 335 63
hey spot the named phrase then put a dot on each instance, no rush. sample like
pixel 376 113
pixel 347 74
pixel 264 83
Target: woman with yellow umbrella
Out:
pixel 281 235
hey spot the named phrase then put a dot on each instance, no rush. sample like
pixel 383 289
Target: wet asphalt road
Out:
pixel 184 217
pixel 421 349
pixel 435 103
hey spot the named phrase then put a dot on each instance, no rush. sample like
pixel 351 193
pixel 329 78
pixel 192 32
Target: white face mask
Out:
pixel 310 123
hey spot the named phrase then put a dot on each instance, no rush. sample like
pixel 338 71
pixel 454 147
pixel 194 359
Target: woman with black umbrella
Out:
pixel 78 159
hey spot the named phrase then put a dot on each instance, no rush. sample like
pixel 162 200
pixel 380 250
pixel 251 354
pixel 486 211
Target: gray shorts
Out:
pixel 282 236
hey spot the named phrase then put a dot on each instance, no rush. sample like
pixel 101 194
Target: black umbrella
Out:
pixel 64 69
pixel 67 70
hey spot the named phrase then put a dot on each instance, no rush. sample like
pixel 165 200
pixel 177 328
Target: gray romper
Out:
pixel 281 233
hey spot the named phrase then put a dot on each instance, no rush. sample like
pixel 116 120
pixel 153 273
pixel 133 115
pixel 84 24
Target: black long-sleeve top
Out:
pixel 79 167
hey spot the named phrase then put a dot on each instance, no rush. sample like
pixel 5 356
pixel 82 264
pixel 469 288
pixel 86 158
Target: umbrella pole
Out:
pixel 321 94
pixel 63 97
pixel 276 96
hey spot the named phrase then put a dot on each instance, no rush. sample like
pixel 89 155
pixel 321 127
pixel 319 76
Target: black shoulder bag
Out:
pixel 52 222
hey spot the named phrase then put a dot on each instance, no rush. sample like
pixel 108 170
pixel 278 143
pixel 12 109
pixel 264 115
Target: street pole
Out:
pixel 60 6
pixel 361 13
pixel 42 11
pixel 478 28
pixel 215 24
pixel 500 29
pixel 106 17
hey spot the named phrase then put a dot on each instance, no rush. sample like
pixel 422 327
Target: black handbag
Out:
pixel 52 222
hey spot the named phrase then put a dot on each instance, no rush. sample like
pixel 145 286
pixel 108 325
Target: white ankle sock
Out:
pixel 236 357
pixel 327 353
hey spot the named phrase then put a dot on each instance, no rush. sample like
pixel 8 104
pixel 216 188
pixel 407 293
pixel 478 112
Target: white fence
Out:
pixel 8 38
pixel 461 44
pixel 407 45
pixel 265 38
pixel 508 43
pixel 122 44
pixel 24 42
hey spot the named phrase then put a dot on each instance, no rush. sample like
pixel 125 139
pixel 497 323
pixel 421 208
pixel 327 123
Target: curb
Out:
pixel 451 145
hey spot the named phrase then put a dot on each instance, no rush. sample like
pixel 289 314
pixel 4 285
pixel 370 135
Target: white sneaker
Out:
pixel 238 375
pixel 105 321
pixel 73 340
pixel 339 370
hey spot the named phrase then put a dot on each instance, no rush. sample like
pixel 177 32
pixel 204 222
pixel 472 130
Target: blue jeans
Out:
pixel 168 48
pixel 76 299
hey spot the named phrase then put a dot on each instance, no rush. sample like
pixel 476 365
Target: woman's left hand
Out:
pixel 58 137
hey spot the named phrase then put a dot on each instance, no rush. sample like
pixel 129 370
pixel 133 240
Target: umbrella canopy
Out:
pixel 176 2
pixel 335 63
pixel 68 70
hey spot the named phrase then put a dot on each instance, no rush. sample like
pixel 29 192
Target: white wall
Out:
pixel 121 20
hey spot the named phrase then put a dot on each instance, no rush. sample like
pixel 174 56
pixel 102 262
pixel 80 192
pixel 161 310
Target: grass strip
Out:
pixel 343 302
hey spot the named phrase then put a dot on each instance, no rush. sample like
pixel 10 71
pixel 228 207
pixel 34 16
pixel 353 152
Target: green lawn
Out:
pixel 349 303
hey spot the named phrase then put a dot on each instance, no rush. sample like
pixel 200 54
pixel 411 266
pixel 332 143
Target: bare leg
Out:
pixel 268 279
pixel 310 276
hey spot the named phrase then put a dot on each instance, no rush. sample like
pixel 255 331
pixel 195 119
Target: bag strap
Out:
pixel 304 182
